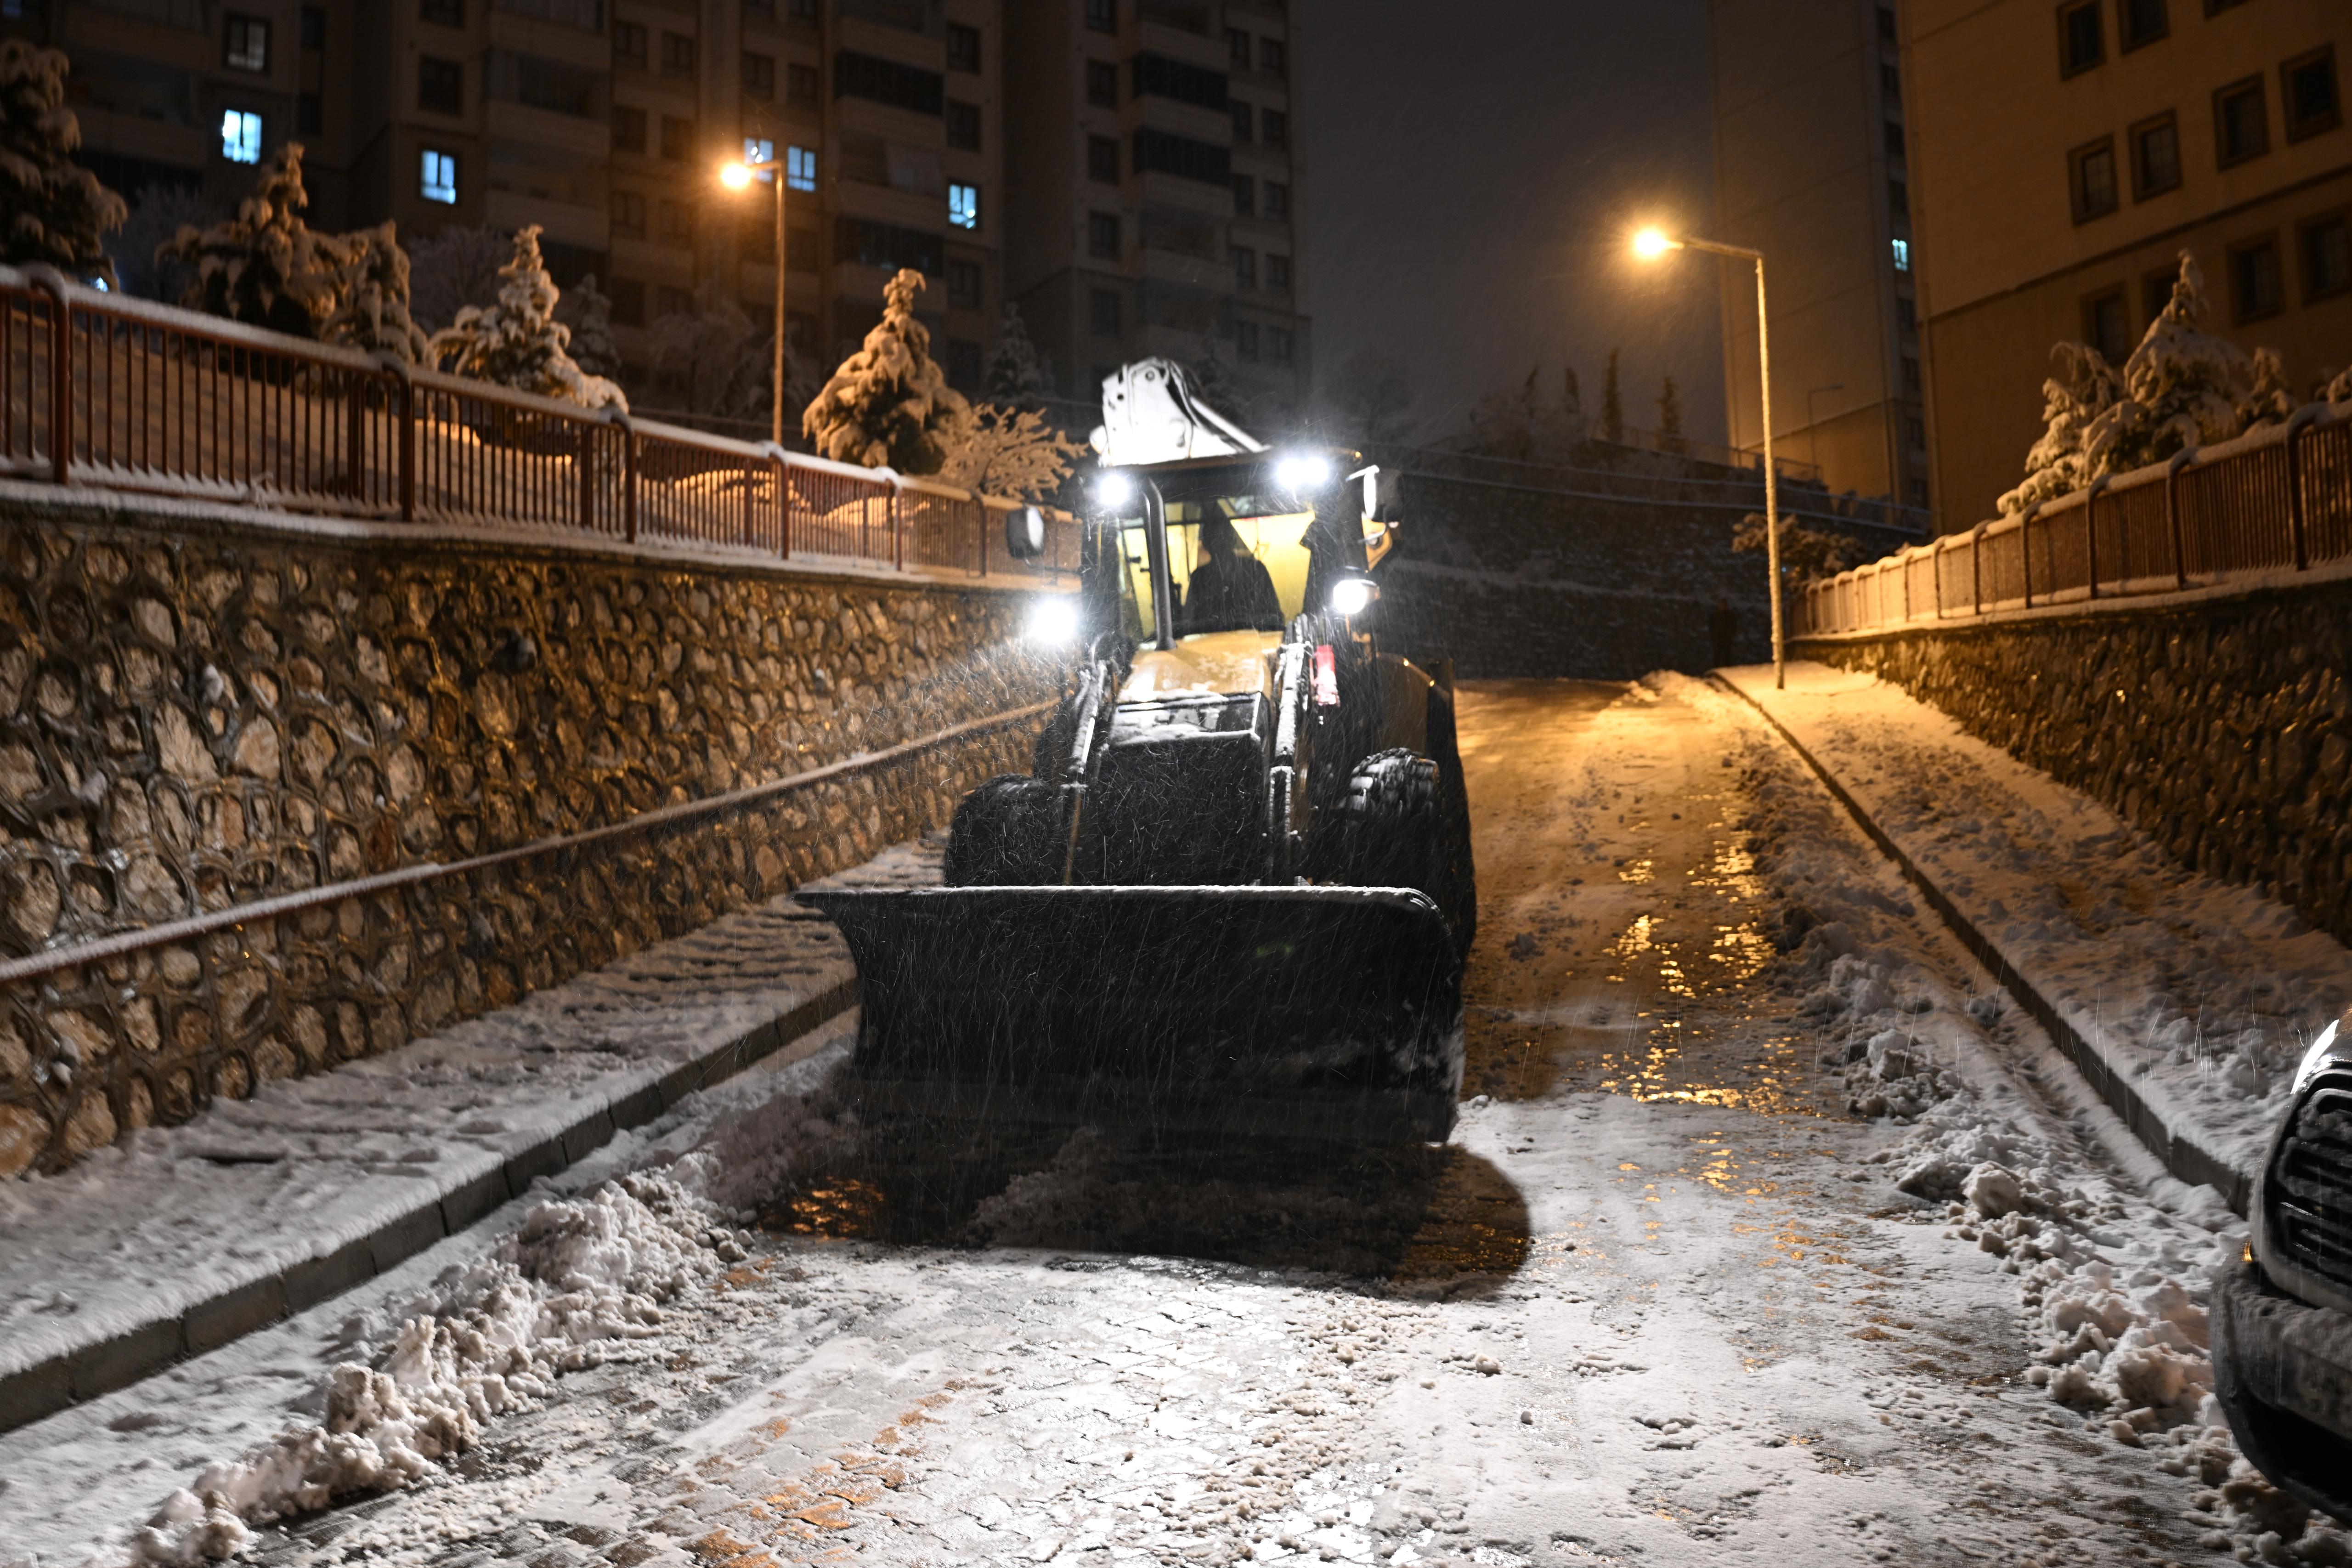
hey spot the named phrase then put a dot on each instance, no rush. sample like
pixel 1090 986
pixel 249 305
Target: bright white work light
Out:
pixel 1349 595
pixel 1114 488
pixel 2315 1059
pixel 1054 623
pixel 1303 471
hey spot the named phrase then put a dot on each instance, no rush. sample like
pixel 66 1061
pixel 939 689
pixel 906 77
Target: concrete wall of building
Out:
pixel 2007 265
pixel 199 709
pixel 2223 728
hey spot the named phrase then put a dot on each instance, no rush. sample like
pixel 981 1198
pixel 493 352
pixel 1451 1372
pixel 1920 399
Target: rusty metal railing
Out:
pixel 99 390
pixel 2276 501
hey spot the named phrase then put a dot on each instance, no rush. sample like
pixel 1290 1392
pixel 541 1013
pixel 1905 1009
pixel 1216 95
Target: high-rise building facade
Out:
pixel 1811 161
pixel 1156 196
pixel 2067 154
pixel 1145 146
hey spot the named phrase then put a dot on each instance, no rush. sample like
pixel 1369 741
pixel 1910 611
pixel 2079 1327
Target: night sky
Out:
pixel 1472 170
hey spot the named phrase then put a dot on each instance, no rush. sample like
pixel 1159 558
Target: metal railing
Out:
pixel 96 389
pixel 2277 501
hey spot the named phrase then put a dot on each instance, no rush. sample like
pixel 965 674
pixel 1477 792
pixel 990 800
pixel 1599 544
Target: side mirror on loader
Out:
pixel 1025 534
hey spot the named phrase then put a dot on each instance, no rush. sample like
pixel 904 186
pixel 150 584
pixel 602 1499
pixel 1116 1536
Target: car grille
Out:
pixel 2310 1188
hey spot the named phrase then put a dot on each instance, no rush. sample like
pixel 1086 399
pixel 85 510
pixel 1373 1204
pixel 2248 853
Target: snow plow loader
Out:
pixel 1234 893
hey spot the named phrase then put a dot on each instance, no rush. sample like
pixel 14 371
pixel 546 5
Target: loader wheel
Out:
pixel 1391 821
pixel 1457 876
pixel 1003 835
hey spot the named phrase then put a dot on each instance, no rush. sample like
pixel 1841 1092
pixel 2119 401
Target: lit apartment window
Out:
pixel 963 48
pixel 2241 126
pixel 759 150
pixel 1902 255
pixel 2140 22
pixel 1278 345
pixel 801 83
pixel 2080 45
pixel 1102 15
pixel 1102 84
pixel 2091 174
pixel 1274 127
pixel 2107 324
pixel 677 55
pixel 249 43
pixel 963 285
pixel 440 86
pixel 1237 43
pixel 2326 244
pixel 439 179
pixel 963 205
pixel 1277 272
pixel 628 214
pixel 2255 290
pixel 442 13
pixel 760 77
pixel 628 129
pixel 1244 267
pixel 1277 199
pixel 963 126
pixel 241 136
pixel 800 168
pixel 1244 118
pixel 1245 340
pixel 629 44
pixel 2156 157
pixel 1102 313
pixel 1102 236
pixel 2307 88
pixel 1102 159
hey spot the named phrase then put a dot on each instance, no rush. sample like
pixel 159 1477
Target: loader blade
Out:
pixel 1317 1012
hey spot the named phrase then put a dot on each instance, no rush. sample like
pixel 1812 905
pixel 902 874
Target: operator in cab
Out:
pixel 1231 590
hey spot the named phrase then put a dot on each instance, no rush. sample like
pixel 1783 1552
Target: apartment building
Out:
pixel 1812 168
pixel 2066 154
pixel 1157 203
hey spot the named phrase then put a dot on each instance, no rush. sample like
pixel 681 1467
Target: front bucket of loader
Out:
pixel 1317 1012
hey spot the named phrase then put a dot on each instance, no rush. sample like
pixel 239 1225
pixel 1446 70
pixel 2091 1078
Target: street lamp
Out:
pixel 738 175
pixel 1652 243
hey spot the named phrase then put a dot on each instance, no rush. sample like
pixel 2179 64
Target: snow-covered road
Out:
pixel 1661 1301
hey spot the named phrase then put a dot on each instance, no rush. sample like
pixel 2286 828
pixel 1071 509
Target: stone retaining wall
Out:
pixel 198 712
pixel 2222 727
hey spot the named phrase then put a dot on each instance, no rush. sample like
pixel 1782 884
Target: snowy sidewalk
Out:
pixel 2189 1000
pixel 179 1239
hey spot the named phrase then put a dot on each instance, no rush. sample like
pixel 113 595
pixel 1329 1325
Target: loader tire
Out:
pixel 1457 874
pixel 1003 835
pixel 1390 831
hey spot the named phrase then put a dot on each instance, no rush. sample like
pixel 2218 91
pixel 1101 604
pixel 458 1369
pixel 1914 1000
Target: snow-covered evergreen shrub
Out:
pixel 265 266
pixel 586 310
pixel 2084 387
pixel 518 341
pixel 715 358
pixel 454 267
pixel 889 404
pixel 1011 452
pixel 1807 554
pixel 51 208
pixel 370 294
pixel 1017 374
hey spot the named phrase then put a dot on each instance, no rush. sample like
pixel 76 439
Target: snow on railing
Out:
pixel 96 389
pixel 2278 499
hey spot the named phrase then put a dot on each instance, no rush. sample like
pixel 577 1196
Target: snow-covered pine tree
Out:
pixel 889 404
pixel 720 362
pixel 2081 392
pixel 589 313
pixel 454 267
pixel 1807 554
pixel 2181 387
pixel 1613 407
pixel 1670 419
pixel 1017 374
pixel 1009 452
pixel 265 266
pixel 370 294
pixel 2268 399
pixel 51 208
pixel 518 341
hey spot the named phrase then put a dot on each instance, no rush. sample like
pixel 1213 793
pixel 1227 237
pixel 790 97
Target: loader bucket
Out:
pixel 1315 1012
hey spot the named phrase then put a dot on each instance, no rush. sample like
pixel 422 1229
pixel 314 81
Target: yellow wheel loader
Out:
pixel 1237 889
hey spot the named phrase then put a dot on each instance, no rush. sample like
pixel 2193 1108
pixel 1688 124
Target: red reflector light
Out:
pixel 1326 677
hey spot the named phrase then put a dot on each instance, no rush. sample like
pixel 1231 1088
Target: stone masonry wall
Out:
pixel 195 714
pixel 2223 728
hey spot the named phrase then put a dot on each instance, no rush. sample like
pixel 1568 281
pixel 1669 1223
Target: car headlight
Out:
pixel 1352 595
pixel 1052 623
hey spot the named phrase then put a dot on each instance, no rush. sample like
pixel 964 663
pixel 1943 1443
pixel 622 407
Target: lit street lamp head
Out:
pixel 735 176
pixel 1651 243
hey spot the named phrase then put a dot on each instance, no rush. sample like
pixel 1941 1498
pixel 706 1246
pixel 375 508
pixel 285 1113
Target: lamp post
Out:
pixel 738 175
pixel 1652 243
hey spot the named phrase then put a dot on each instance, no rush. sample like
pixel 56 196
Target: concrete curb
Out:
pixel 35 1392
pixel 2177 1151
